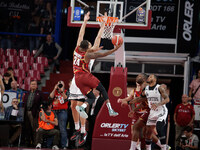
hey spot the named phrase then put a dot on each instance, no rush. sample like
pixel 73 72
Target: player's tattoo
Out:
pixel 163 92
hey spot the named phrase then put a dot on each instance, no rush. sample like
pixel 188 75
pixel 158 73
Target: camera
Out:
pixel 60 85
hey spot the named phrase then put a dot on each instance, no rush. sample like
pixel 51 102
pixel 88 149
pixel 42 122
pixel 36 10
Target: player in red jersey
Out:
pixel 85 81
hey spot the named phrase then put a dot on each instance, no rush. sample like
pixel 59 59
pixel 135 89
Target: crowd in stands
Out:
pixel 39 20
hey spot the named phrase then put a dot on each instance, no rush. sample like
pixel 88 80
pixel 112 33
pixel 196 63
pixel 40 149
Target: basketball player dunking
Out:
pixel 85 81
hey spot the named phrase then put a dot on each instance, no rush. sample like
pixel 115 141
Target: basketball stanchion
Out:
pixel 114 132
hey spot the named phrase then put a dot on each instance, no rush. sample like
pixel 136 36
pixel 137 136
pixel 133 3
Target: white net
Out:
pixel 109 27
pixel 108 31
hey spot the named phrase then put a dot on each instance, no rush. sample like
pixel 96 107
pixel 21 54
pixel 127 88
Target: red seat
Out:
pixel 25 87
pixel 9 52
pixel 7 64
pixel 20 81
pixel 39 67
pixel 14 59
pixel 1 51
pixel 34 74
pixel 34 52
pixel 23 66
pixel 24 52
pixel 2 60
pixel 19 73
pixel 28 59
pixel 42 60
pixel 2 71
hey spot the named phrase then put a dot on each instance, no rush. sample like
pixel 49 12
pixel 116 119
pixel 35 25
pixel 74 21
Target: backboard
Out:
pixel 138 17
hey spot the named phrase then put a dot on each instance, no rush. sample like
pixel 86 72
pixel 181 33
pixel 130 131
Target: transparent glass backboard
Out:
pixel 138 17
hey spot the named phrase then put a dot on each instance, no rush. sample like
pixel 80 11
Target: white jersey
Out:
pixel 75 92
pixel 154 97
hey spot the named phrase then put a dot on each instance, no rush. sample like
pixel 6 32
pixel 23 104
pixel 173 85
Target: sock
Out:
pixel 84 105
pixel 148 147
pixel 158 143
pixel 133 145
pixel 163 147
pixel 108 106
pixel 77 126
pixel 138 145
pixel 82 128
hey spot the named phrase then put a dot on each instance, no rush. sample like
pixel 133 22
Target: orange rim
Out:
pixel 110 20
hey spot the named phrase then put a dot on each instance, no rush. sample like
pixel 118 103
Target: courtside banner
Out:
pixel 113 132
pixel 188 27
pixel 7 98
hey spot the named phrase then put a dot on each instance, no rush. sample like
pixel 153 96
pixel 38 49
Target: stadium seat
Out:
pixel 14 59
pixel 2 71
pixel 19 73
pixel 28 59
pixel 39 67
pixel 9 52
pixel 20 81
pixel 23 66
pixel 23 52
pixel 25 87
pixel 1 51
pixel 42 60
pixel 7 64
pixel 34 74
pixel 2 60
pixel 34 52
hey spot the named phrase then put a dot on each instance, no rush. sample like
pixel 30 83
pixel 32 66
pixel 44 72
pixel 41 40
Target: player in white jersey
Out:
pixel 157 98
pixel 77 98
pixel 2 88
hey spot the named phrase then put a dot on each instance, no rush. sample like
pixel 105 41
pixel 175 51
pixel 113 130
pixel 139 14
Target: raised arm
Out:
pixel 2 87
pixel 94 55
pixel 98 38
pixel 82 30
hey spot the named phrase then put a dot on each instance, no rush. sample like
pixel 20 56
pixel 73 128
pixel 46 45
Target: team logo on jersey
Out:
pixel 117 91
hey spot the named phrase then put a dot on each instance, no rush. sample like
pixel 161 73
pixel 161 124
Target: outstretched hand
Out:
pixel 105 17
pixel 87 16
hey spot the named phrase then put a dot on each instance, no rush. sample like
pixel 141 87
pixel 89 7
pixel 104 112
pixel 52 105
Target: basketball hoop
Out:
pixel 109 26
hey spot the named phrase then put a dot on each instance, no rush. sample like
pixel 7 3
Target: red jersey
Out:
pixel 58 102
pixel 79 64
pixel 184 114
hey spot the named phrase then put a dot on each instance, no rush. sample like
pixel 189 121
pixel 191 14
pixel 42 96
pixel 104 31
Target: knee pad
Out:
pixel 102 90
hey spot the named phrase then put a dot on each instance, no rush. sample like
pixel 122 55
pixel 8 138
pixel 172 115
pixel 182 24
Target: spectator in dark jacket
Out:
pixel 32 101
pixel 14 113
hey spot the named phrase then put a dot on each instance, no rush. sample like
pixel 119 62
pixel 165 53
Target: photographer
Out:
pixel 189 141
pixel 47 121
pixel 60 106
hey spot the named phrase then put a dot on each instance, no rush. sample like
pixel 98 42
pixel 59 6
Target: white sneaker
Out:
pixel 55 147
pixel 38 146
pixel 113 113
pixel 81 111
pixel 168 147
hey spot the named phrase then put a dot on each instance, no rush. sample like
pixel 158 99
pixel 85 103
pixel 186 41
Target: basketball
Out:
pixel 117 40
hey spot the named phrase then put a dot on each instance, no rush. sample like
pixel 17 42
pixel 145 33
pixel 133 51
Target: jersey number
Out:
pixel 76 61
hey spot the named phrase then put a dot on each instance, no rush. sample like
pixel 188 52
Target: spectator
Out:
pixel 194 92
pixel 47 121
pixel 7 81
pixel 11 72
pixel 32 101
pixel 14 87
pixel 93 112
pixel 52 51
pixel 2 88
pixel 189 141
pixel 14 113
pixel 2 110
pixel 183 116
pixel 60 106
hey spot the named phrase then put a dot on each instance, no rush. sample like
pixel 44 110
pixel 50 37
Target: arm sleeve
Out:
pixel 39 51
pixel 59 49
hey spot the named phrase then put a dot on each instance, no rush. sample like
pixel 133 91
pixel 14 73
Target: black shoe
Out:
pixel 82 139
pixel 75 135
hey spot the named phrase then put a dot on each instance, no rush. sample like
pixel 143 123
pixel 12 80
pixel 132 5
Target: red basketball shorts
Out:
pixel 86 81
